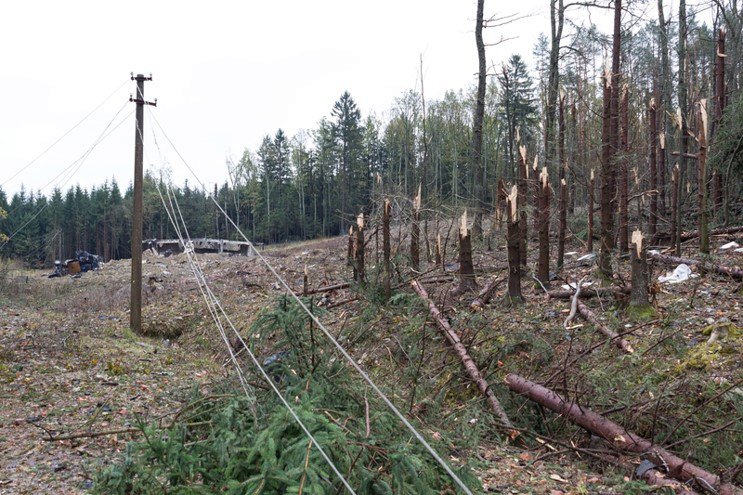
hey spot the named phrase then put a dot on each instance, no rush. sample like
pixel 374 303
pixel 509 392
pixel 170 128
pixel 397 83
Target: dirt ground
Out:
pixel 74 380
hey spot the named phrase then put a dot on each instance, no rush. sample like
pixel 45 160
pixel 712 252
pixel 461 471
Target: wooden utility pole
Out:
pixel 135 304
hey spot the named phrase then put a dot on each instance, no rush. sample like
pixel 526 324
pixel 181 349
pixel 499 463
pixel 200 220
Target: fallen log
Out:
pixel 734 272
pixel 467 362
pixel 589 292
pixel 591 317
pixel 685 236
pixel 479 303
pixel 328 288
pixel 620 438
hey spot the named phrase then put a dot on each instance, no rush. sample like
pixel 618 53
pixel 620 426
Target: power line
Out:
pixel 71 170
pixel 327 333
pixel 213 303
pixel 63 135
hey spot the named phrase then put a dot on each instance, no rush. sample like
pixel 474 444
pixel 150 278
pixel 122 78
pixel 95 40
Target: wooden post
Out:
pixel 415 234
pixel 466 268
pixel 639 295
pixel 513 239
pixel 543 213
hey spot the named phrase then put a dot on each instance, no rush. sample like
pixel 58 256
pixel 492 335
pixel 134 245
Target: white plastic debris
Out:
pixel 586 257
pixel 681 273
pixel 739 250
pixel 729 245
pixel 653 251
pixel 574 286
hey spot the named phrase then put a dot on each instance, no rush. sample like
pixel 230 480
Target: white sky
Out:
pixel 225 72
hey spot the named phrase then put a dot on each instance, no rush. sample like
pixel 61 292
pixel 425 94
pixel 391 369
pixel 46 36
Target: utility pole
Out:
pixel 135 305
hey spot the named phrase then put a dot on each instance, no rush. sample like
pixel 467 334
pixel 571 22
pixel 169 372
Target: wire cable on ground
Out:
pixel 213 304
pixel 22 169
pixel 320 325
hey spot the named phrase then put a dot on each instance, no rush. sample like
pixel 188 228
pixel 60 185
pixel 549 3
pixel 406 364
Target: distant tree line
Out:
pixel 315 183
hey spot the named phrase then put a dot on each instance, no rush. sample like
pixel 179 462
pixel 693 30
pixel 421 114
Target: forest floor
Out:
pixel 70 367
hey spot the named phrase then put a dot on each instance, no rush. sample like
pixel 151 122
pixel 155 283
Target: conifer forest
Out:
pixel 531 284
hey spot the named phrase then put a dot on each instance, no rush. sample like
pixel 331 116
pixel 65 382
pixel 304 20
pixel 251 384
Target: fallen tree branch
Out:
pixel 467 362
pixel 591 317
pixel 328 288
pixel 587 293
pixel 685 236
pixel 92 434
pixel 619 437
pixel 721 269
pixel 573 305
pixel 479 303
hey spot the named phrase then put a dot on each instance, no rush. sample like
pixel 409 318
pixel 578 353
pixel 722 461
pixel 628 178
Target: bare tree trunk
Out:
pixel 563 203
pixel 467 361
pixel 466 269
pixel 522 197
pixel 485 294
pixel 513 240
pixel 543 213
pixel 591 201
pixel 359 249
pixel 351 256
pixel 415 234
pixel 387 266
pixel 476 152
pixel 639 296
pixel 719 109
pixel 675 190
pixel 624 172
pixel 683 106
pixel 653 121
pixel 702 179
pixel 607 185
pixel 617 436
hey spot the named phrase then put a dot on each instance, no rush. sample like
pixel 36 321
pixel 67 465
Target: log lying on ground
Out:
pixel 485 294
pixel 328 288
pixel 734 272
pixel 591 317
pixel 619 437
pixel 467 362
pixel 588 292
pixel 685 236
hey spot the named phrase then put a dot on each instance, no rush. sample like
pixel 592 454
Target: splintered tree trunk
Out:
pixel 719 109
pixel 466 269
pixel 387 265
pixel 501 203
pixel 591 201
pixel 653 121
pixel 469 364
pixel 619 437
pixel 702 179
pixel 624 173
pixel 521 205
pixel 359 247
pixel 513 241
pixel 639 295
pixel 543 266
pixel 662 186
pixel 675 228
pixel 351 256
pixel 607 185
pixel 415 233
pixel 563 204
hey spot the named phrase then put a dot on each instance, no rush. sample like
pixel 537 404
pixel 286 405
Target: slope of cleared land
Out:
pixel 75 383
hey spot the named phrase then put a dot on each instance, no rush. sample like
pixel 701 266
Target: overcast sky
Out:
pixel 225 73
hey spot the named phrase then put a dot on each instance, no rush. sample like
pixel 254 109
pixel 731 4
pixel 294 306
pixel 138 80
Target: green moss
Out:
pixel 643 312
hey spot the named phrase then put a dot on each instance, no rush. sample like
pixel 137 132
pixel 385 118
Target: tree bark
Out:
pixel 482 299
pixel 521 202
pixel 543 212
pixel 591 201
pixel 591 317
pixel 653 121
pixel 617 436
pixel 702 179
pixel 683 106
pixel 415 233
pixel 386 251
pixel 563 203
pixel 466 269
pixel 476 151
pixel 589 292
pixel 607 185
pixel 467 361
pixel 513 240
pixel 624 172
pixel 638 254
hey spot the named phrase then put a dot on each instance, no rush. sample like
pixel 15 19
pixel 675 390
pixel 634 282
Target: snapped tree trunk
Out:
pixel 466 269
pixel 415 234
pixel 617 436
pixel 467 361
pixel 513 241
pixel 359 249
pixel 521 203
pixel 639 296
pixel 543 213
pixel 702 179
pixel 653 122
pixel 387 265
